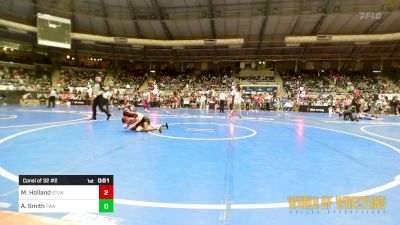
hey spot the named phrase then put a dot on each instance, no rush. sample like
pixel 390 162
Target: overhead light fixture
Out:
pixel 5 48
pixel 376 71
pixel 73 58
pixel 68 56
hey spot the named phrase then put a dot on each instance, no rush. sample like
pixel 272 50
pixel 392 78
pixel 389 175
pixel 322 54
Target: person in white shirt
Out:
pixel 237 101
pixel 186 102
pixel 52 98
pixel 26 97
pixel 146 100
pixel 222 101
pixel 203 101
pixel 288 106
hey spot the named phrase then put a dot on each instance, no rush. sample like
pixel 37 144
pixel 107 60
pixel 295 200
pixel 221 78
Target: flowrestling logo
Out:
pixel 370 15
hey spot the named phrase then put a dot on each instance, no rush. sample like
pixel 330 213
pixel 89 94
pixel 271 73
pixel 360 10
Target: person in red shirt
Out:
pixel 357 93
pixel 347 102
pixel 256 102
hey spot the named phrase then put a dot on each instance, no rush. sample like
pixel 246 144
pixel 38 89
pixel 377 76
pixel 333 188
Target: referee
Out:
pixel 222 100
pixel 52 98
pixel 98 100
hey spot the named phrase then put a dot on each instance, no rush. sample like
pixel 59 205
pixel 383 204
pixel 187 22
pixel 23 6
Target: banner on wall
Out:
pixel 389 96
pixel 259 88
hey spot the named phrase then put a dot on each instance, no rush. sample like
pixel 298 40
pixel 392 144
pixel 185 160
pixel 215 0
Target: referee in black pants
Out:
pixel 222 101
pixel 98 100
pixel 52 98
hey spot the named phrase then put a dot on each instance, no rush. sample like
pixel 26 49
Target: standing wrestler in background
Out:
pixel 146 100
pixel 237 101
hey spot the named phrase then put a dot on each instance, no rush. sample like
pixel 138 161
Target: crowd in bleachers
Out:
pixel 195 89
pixel 300 89
pixel 332 89
pixel 72 78
pixel 130 79
pixel 203 81
pixel 189 90
pixel 321 86
pixel 22 79
pixel 77 85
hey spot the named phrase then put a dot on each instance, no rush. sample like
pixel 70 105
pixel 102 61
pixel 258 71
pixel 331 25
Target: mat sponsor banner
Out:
pixel 79 102
pixel 311 108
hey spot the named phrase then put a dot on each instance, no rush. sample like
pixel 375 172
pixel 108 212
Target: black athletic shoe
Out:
pixel 92 118
pixel 166 125
pixel 108 116
pixel 160 129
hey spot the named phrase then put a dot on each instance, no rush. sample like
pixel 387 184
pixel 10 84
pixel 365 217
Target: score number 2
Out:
pixel 106 192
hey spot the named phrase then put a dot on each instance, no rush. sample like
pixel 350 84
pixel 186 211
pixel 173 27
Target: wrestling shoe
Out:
pixel 160 129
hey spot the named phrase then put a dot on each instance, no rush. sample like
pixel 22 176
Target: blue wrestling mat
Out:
pixel 207 169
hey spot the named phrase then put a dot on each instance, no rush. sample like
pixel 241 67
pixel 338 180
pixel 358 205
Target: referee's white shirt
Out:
pixel 222 96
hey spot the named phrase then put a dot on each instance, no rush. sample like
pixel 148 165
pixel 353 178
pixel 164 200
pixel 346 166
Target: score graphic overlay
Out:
pixel 66 193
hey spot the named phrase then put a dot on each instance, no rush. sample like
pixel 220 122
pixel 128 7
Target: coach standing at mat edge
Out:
pixel 98 100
